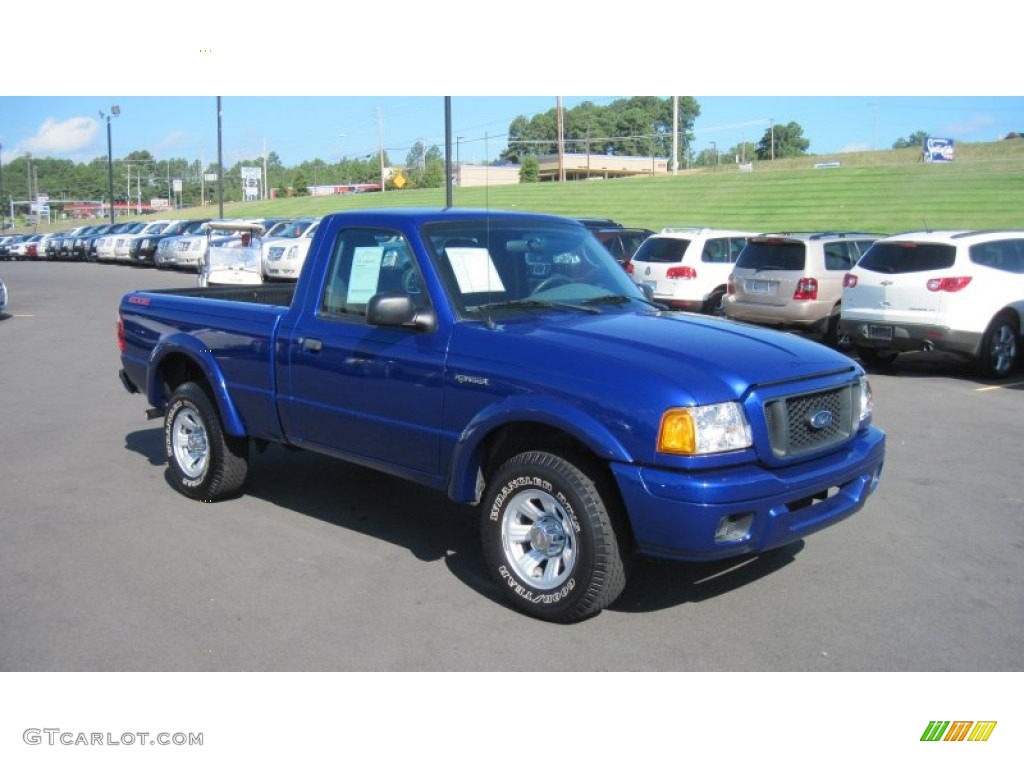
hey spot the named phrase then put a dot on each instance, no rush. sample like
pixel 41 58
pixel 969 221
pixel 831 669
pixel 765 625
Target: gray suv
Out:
pixel 794 280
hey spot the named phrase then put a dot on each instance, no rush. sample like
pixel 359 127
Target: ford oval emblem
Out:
pixel 820 419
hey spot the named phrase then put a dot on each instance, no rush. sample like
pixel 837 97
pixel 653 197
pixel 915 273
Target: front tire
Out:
pixel 550 539
pixel 1000 347
pixel 205 463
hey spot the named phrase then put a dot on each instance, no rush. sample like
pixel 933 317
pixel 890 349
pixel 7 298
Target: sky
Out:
pixel 365 78
pixel 300 128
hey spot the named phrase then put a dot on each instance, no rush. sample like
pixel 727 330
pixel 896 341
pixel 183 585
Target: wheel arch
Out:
pixel 181 359
pixel 487 443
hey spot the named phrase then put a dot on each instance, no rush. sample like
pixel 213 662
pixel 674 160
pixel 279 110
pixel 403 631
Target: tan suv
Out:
pixel 794 280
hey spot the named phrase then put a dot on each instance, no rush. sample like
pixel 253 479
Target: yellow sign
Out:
pixel 398 179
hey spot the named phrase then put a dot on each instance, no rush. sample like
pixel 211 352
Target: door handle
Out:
pixel 312 345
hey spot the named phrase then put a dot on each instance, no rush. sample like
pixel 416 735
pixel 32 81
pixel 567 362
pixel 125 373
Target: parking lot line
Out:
pixel 1011 385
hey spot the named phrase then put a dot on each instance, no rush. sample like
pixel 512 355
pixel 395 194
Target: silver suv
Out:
pixel 794 280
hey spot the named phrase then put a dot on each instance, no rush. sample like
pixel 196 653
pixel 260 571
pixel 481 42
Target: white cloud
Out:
pixel 66 137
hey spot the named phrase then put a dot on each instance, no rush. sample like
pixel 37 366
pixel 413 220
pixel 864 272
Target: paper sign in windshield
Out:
pixel 474 270
pixel 365 274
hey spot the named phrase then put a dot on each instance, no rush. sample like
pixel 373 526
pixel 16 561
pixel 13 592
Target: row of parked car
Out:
pixel 165 244
pixel 955 291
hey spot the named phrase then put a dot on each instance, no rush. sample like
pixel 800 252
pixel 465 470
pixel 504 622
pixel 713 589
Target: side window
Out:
pixel 365 262
pixel 735 246
pixel 716 251
pixel 837 257
pixel 1004 255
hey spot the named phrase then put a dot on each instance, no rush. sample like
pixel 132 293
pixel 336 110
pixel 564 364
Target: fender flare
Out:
pixel 467 456
pixel 202 357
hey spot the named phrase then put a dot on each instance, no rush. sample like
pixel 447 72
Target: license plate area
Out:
pixel 762 287
pixel 880 332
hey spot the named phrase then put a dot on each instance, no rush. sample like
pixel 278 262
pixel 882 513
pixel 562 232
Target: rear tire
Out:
pixel 205 463
pixel 550 538
pixel 714 306
pixel 1000 347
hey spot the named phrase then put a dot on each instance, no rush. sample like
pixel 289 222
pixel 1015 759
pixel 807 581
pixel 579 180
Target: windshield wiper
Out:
pixel 613 298
pixel 534 304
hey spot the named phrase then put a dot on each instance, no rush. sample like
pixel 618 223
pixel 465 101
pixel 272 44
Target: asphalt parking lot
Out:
pixel 326 566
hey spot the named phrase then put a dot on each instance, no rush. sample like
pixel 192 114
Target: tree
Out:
pixel 529 170
pixel 743 152
pixel 782 141
pixel 415 158
pixel 638 126
pixel 916 139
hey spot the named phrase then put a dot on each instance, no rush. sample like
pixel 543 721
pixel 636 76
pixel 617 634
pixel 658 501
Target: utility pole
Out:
pixel 561 140
pixel 675 135
pixel 266 187
pixel 380 139
pixel 772 124
pixel 448 150
pixel 220 164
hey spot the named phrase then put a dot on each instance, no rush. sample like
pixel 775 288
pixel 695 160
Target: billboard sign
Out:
pixel 938 150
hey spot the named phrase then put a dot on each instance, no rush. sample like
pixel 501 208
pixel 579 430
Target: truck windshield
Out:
pixel 500 266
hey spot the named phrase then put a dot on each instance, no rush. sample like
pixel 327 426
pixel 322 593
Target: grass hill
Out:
pixel 882 191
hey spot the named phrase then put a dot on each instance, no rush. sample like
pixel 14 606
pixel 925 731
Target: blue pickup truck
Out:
pixel 506 360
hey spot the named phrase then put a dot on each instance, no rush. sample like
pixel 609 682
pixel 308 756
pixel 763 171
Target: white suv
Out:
pixel 953 291
pixel 284 256
pixel 688 267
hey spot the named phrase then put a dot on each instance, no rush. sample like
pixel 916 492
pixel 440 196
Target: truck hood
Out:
pixel 712 359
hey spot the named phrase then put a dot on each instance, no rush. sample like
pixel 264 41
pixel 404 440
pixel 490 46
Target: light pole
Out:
pixel 114 112
pixel 380 140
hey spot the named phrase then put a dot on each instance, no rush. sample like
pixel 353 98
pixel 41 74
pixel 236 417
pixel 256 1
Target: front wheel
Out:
pixel 1000 347
pixel 549 538
pixel 205 463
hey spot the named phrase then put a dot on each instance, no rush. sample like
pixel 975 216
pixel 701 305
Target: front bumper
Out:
pixel 676 515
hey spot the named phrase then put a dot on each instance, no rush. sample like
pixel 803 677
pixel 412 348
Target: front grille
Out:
pixel 810 422
pixel 276 252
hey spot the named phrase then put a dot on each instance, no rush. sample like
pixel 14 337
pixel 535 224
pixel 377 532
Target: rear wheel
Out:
pixel 713 306
pixel 831 335
pixel 1000 347
pixel 205 463
pixel 550 538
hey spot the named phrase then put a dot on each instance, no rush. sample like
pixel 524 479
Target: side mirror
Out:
pixel 399 310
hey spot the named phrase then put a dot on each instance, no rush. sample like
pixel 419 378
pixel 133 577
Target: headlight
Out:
pixel 864 414
pixel 704 429
pixel 292 253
